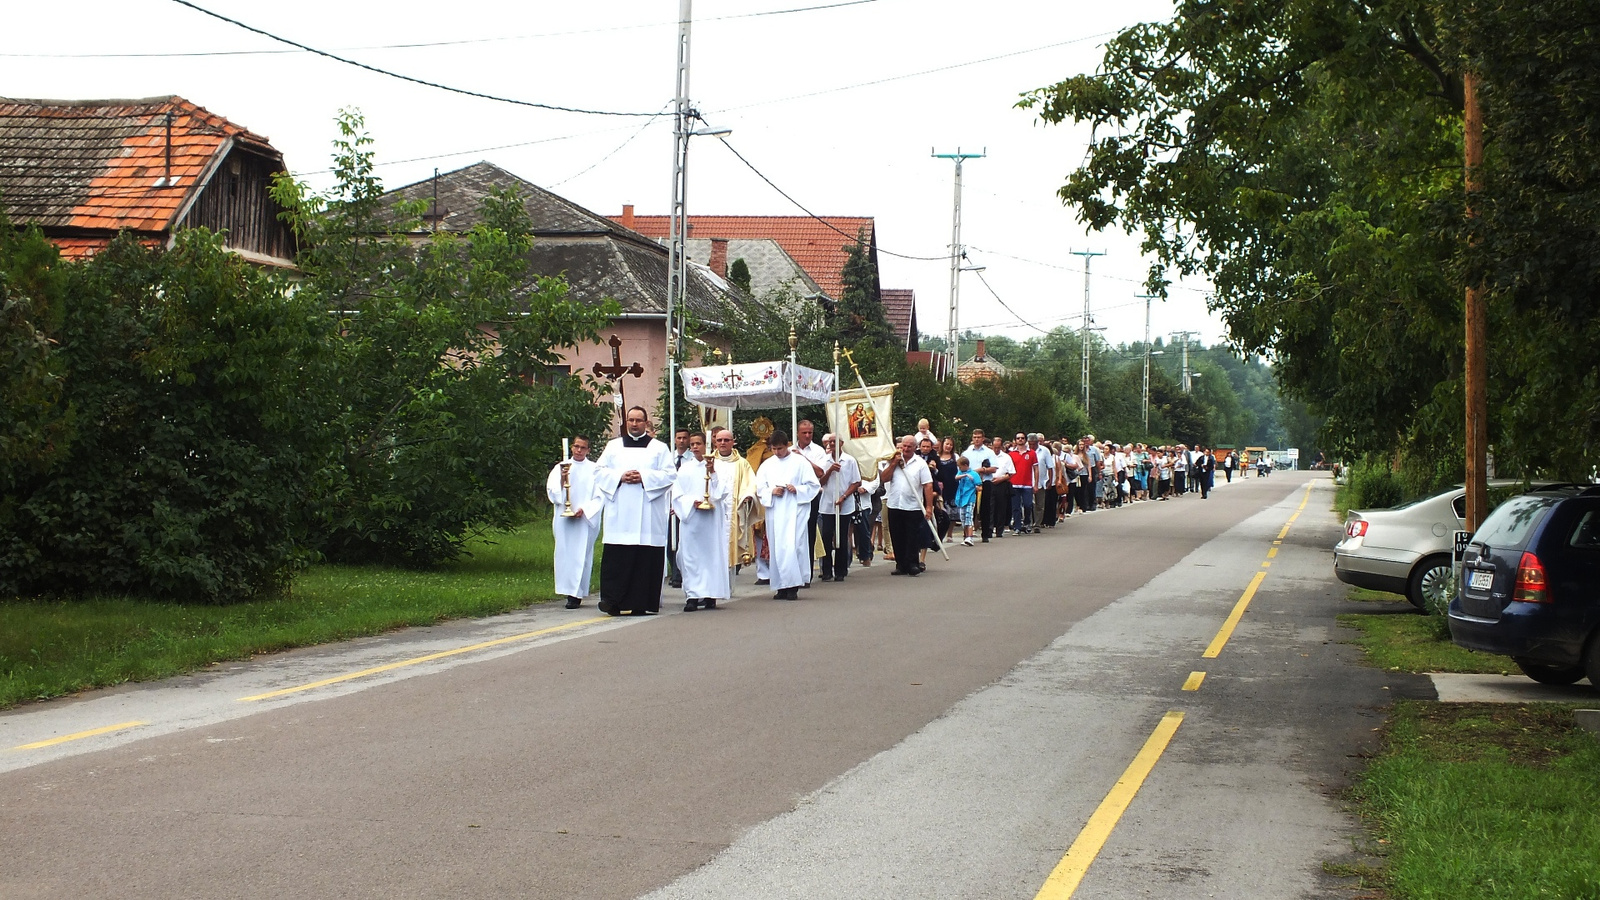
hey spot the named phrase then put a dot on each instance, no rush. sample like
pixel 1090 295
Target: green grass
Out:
pixel 1471 801
pixel 50 648
pixel 1401 640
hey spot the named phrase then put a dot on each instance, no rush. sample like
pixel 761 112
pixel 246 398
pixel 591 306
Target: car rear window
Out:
pixel 1586 536
pixel 1510 525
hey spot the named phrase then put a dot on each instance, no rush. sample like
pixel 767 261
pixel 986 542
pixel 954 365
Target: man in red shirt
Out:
pixel 1026 460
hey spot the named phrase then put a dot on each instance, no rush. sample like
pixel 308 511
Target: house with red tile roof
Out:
pixel 817 245
pixel 83 170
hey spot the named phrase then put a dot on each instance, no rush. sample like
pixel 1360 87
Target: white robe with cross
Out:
pixel 703 533
pixel 788 515
pixel 575 534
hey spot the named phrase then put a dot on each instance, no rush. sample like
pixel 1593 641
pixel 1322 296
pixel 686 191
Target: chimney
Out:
pixel 627 215
pixel 979 356
pixel 719 257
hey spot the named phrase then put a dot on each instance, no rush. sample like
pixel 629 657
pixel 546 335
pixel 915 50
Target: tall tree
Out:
pixel 859 317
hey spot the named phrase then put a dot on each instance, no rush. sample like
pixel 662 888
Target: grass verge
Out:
pixel 51 648
pixel 1401 640
pixel 1472 801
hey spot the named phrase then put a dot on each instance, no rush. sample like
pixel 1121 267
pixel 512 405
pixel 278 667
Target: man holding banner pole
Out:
pixel 908 504
pixel 838 505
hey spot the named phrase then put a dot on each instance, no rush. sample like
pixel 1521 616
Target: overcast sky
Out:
pixel 840 107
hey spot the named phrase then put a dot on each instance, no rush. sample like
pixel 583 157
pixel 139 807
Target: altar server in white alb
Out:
pixel 575 534
pixel 635 476
pixel 786 485
pixel 703 502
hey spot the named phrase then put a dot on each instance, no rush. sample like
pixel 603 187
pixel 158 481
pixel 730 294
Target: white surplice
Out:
pixel 635 513
pixel 703 533
pixel 575 534
pixel 788 516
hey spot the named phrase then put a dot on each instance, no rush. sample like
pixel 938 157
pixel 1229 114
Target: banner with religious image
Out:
pixel 864 420
pixel 714 417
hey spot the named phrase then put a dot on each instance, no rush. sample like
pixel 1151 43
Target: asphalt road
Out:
pixel 944 736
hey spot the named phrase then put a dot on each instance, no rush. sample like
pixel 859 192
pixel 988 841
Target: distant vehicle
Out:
pixel 1406 549
pixel 1530 585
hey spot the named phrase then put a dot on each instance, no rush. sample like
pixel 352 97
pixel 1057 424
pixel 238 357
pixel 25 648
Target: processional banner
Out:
pixel 863 419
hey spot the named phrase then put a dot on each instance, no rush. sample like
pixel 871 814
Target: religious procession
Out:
pixel 700 514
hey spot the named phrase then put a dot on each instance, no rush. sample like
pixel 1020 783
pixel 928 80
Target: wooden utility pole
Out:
pixel 1477 362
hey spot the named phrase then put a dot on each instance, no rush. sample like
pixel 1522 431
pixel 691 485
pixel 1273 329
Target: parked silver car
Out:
pixel 1406 549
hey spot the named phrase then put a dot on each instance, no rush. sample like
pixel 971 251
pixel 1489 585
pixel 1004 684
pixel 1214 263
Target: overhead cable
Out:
pixel 420 45
pixel 414 80
pixel 802 207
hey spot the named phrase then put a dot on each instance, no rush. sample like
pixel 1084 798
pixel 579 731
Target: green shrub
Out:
pixel 189 377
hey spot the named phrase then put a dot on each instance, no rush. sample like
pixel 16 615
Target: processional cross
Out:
pixel 615 373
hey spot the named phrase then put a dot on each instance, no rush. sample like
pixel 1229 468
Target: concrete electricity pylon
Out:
pixel 957 252
pixel 1187 375
pixel 1146 298
pixel 1088 320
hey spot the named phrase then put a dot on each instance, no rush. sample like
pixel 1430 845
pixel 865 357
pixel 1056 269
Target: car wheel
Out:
pixel 1432 583
pixel 1548 674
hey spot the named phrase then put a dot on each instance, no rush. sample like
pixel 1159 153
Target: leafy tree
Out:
pixel 859 318
pixel 36 426
pixel 1306 157
pixel 739 275
pixel 194 383
pixel 446 420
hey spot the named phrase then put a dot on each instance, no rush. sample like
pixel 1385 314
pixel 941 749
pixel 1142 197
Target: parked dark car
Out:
pixel 1530 585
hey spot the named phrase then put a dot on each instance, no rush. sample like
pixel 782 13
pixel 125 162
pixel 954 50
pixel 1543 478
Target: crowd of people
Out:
pixel 693 516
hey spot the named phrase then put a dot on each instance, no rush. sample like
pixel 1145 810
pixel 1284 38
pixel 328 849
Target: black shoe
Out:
pixel 826 578
pixel 607 610
pixel 763 581
pixel 921 567
pixel 574 602
pixel 708 604
pixel 676 583
pixel 984 541
pixel 691 605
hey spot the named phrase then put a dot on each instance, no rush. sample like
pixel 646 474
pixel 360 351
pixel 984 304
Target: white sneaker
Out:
pixel 967 542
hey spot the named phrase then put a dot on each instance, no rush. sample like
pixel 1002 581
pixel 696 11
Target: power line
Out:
pixel 419 45
pixel 1057 266
pixel 433 84
pixel 802 207
pixel 996 296
pixel 892 78
pixel 597 163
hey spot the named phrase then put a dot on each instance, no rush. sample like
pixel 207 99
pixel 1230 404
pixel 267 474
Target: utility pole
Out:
pixel 1477 361
pixel 1146 298
pixel 1088 320
pixel 1184 336
pixel 953 335
pixel 679 228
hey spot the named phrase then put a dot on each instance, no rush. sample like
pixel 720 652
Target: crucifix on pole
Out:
pixel 615 372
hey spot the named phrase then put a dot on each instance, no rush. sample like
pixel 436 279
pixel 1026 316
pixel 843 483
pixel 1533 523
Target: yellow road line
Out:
pixel 1283 533
pixel 420 659
pixel 1194 682
pixel 1271 553
pixel 1266 565
pixel 1307 498
pixel 1226 631
pixel 1064 879
pixel 76 736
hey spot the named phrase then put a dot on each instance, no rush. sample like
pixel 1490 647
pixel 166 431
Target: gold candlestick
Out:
pixel 705 502
pixel 566 487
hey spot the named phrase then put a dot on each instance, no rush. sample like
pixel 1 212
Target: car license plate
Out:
pixel 1480 580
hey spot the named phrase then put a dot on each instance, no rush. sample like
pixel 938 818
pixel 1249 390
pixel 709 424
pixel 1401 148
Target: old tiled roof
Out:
pixel 461 194
pixel 103 164
pixel 599 258
pixel 900 307
pixel 817 248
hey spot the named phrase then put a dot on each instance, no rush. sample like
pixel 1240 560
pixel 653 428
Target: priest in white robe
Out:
pixel 575 534
pixel 747 510
pixel 635 476
pixel 703 533
pixel 786 485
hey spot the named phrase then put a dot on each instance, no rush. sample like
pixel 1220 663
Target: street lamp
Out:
pixel 1147 354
